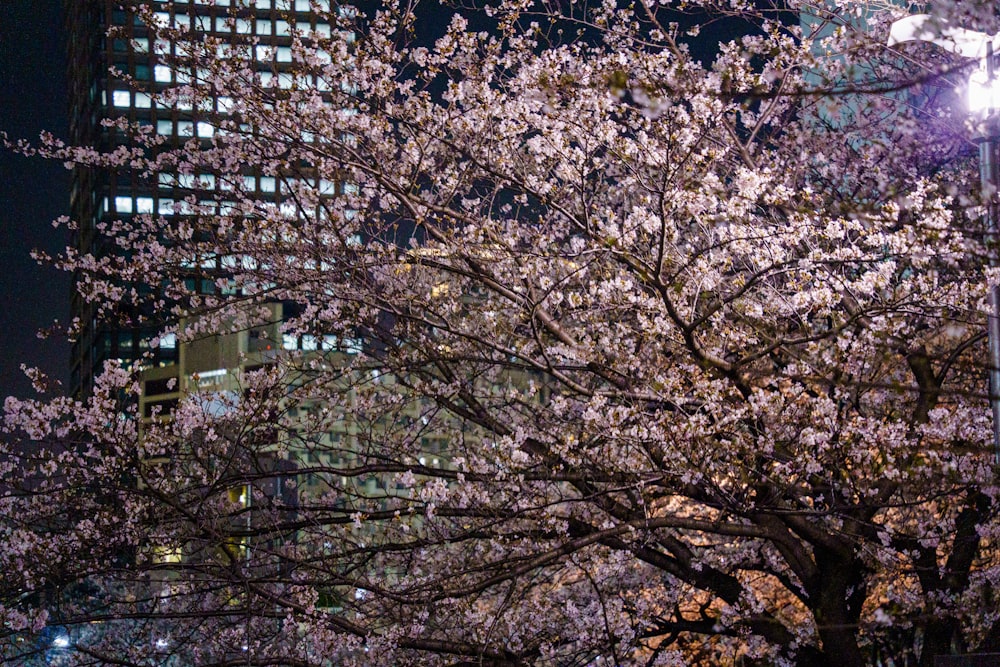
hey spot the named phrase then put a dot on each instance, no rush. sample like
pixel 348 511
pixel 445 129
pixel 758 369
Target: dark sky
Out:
pixel 32 191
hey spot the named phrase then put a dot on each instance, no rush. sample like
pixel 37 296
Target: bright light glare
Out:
pixel 162 643
pixel 984 95
pixel 62 641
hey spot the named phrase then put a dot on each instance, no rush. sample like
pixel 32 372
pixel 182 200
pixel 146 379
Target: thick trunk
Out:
pixel 837 612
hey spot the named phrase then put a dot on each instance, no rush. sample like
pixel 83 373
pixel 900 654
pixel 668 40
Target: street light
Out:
pixel 984 101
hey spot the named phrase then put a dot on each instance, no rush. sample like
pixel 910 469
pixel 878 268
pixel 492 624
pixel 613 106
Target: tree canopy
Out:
pixel 575 334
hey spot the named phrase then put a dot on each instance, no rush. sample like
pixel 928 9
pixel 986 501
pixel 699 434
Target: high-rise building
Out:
pixel 118 62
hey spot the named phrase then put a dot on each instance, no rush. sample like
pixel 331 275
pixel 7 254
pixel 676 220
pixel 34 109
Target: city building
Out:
pixel 117 63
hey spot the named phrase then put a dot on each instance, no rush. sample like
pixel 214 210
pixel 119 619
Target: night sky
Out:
pixel 32 191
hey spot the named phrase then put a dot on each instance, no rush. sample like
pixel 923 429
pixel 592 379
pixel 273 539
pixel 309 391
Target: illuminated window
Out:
pixel 164 127
pixel 143 101
pixel 162 74
pixel 143 204
pixel 284 54
pixel 282 29
pixel 166 207
pixel 123 204
pixel 205 129
pixel 267 184
pixel 121 98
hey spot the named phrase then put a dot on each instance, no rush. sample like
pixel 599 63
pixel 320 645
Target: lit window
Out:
pixel 143 101
pixel 309 343
pixel 289 342
pixel 281 28
pixel 205 129
pixel 164 127
pixel 266 78
pixel 166 207
pixel 224 104
pixel 143 204
pixel 168 341
pixel 263 27
pixel 243 27
pixel 161 73
pixel 185 128
pixel 267 183
pixel 206 181
pixel 323 29
pixel 263 4
pixel 284 54
pixel 140 45
pixel 123 204
pixel 283 4
pixel 121 98
pixel 249 183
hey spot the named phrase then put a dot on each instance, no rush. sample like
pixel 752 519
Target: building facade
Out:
pixel 119 61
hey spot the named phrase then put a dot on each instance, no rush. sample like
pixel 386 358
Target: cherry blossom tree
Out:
pixel 646 334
